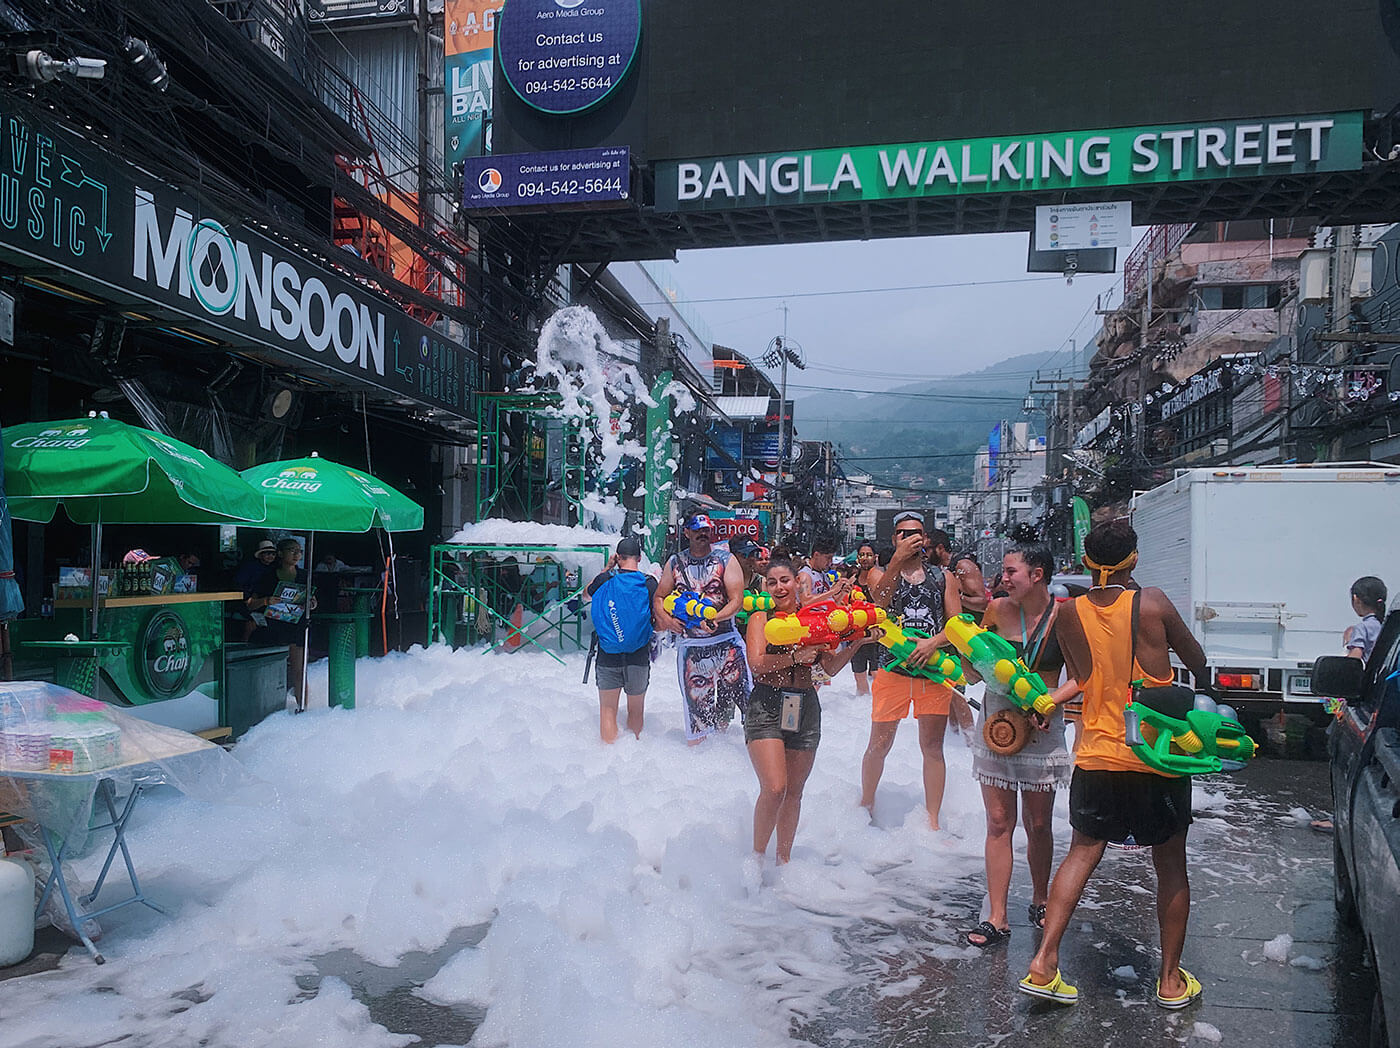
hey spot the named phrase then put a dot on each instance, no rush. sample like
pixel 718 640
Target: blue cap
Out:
pixel 699 522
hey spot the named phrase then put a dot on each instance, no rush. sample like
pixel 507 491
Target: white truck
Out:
pixel 1259 561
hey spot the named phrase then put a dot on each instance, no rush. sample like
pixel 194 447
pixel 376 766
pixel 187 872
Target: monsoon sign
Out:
pixel 119 233
pixel 1064 160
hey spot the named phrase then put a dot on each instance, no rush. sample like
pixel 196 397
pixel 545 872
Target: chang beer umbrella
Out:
pixel 315 494
pixel 106 472
pixel 11 603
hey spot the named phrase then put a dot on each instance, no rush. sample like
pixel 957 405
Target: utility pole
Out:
pixel 1344 242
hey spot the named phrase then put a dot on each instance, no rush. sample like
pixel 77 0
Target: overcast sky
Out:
pixel 893 337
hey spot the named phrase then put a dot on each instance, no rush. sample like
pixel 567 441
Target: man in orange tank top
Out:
pixel 1112 636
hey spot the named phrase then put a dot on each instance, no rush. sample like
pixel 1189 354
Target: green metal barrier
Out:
pixel 474 584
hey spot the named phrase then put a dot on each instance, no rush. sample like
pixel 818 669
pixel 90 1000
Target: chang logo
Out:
pixel 163 657
pixel 490 180
pixel 55 437
pixel 294 478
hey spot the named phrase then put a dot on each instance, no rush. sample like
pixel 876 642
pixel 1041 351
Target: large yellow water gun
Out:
pixel 942 668
pixel 995 658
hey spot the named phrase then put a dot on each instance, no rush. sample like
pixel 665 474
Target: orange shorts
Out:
pixel 892 694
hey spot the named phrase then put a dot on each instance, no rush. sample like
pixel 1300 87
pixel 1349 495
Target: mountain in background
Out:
pixel 921 436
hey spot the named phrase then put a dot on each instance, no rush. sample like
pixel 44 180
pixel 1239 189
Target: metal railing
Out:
pixel 1160 242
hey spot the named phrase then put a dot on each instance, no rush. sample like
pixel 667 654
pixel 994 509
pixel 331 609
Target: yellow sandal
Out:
pixel 1193 990
pixel 1056 989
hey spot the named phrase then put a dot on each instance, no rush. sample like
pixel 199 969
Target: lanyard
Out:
pixel 1041 629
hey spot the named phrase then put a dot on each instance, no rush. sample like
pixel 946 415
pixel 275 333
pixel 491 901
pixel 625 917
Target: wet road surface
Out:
pixel 1257 872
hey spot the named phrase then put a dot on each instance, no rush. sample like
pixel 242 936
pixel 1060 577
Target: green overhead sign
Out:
pixel 1019 163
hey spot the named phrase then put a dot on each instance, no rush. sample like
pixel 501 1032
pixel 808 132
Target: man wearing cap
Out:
pixel 918 594
pixel 710 658
pixel 748 552
pixel 622 670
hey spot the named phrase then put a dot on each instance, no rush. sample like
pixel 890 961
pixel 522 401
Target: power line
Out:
pixel 1017 397
pixel 855 291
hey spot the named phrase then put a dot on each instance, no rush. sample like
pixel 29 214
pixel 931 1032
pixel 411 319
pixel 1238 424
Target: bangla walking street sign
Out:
pixel 128 237
pixel 1021 163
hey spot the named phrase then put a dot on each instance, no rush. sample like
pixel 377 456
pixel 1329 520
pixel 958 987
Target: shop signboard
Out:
pixel 1125 156
pixel 761 446
pixel 469 42
pixel 121 234
pixel 726 447
pixel 565 56
pixel 541 180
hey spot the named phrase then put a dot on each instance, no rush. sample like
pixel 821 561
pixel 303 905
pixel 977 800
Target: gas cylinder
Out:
pixel 16 911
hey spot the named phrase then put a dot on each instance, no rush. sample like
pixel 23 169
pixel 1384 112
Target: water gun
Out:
pixel 942 668
pixel 832 577
pixel 754 600
pixel 825 622
pixel 1207 735
pixel 994 657
pixel 689 608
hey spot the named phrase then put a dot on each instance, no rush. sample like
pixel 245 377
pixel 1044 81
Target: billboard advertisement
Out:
pixel 469 42
pixel 993 453
pixel 565 56
pixel 540 180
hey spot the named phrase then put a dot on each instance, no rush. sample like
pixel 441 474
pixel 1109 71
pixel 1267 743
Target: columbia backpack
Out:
pixel 622 613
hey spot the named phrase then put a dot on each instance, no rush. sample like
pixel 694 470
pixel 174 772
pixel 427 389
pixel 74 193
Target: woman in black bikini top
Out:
pixel 783 724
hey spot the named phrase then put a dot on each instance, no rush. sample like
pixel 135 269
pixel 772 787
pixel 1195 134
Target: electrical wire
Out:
pixel 857 291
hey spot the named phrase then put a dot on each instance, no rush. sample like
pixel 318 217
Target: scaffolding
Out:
pixel 510 596
pixel 516 462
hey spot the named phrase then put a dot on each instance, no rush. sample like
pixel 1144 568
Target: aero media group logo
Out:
pixel 490 180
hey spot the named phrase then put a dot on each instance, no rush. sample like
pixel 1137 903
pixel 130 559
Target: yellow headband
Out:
pixel 1105 570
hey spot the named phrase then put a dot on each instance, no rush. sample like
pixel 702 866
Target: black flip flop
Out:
pixel 991 935
pixel 1036 912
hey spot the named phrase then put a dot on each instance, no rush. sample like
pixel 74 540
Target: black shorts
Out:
pixel 765 717
pixel 1117 805
pixel 867 659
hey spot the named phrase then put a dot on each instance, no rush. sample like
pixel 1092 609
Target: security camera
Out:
pixel 41 67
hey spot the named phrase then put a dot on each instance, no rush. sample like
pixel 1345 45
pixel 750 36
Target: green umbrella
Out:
pixel 107 472
pixel 316 494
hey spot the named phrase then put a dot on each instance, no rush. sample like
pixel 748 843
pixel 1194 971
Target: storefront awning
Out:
pixel 742 409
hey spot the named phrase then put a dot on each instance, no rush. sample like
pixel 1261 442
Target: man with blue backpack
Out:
pixel 622 597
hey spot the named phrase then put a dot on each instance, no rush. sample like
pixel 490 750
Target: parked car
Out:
pixel 1364 752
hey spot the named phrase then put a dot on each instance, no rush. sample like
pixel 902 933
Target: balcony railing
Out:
pixel 1160 242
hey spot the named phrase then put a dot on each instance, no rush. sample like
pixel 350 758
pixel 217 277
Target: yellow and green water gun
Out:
pixel 1207 735
pixel 942 668
pixel 754 600
pixel 995 658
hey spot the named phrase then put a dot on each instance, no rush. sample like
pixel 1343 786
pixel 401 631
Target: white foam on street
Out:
pixel 469 789
pixel 1276 949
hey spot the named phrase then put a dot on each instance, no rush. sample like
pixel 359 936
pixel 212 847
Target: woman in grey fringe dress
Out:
pixel 1026 617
